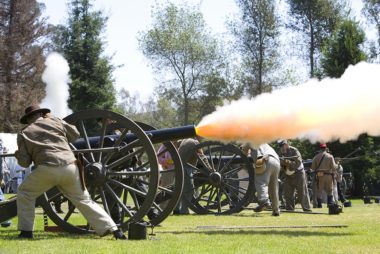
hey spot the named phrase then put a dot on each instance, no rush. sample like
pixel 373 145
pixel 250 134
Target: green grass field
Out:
pixel 181 234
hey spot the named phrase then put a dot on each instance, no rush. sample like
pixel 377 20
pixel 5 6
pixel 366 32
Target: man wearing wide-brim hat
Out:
pixel 45 142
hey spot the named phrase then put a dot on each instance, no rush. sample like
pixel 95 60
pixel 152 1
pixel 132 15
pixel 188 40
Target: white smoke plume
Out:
pixel 317 110
pixel 56 78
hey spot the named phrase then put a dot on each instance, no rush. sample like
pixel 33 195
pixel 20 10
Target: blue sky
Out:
pixel 127 18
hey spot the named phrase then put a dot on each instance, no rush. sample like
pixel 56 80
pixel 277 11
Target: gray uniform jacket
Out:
pixel 46 142
pixel 266 149
pixel 185 147
pixel 339 175
pixel 296 163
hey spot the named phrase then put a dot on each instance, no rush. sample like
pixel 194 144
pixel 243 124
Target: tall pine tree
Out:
pixel 90 70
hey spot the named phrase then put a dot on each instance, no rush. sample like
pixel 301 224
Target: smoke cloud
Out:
pixel 317 110
pixel 56 78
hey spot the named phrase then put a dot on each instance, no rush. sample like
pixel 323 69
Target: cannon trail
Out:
pixel 317 110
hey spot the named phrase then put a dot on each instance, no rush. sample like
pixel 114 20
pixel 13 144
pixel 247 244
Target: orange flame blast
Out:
pixel 317 110
pixel 254 131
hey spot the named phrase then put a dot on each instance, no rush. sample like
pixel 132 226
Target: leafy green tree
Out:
pixel 256 32
pixel 157 111
pixel 81 43
pixel 343 49
pixel 363 164
pixel 316 20
pixel 371 11
pixel 181 49
pixel 24 37
pixel 165 114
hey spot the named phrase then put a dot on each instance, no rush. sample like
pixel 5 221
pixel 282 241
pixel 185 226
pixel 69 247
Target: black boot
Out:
pixel 261 206
pixel 319 203
pixel 118 234
pixel 26 234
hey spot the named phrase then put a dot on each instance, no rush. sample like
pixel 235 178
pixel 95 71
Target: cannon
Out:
pixel 121 171
pixel 222 181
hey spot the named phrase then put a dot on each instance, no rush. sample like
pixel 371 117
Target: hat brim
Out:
pixel 40 110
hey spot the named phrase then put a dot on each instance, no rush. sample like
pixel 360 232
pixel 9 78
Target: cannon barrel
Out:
pixel 8 209
pixel 155 136
pixel 238 160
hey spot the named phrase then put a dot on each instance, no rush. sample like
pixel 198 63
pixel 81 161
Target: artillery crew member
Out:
pixel 188 182
pixel 189 156
pixel 45 142
pixel 295 178
pixel 267 169
pixel 339 183
pixel 325 167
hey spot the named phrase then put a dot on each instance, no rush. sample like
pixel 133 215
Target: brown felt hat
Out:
pixel 31 110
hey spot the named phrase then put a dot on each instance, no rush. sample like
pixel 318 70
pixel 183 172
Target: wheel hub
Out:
pixel 95 174
pixel 215 179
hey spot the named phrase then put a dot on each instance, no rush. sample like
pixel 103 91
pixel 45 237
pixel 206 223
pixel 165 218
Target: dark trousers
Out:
pixel 295 182
pixel 340 192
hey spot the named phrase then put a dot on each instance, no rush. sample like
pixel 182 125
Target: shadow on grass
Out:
pixel 283 232
pixel 43 235
pixel 263 214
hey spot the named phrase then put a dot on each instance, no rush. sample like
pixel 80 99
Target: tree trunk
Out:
pixel 311 51
pixel 8 86
pixel 186 110
pixel 261 61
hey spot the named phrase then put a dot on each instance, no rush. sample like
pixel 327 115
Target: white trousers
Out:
pixel 267 183
pixel 67 180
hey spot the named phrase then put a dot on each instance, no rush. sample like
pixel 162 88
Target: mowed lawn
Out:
pixel 182 234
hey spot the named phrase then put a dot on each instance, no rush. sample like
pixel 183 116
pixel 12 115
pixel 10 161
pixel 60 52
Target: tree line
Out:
pixel 196 70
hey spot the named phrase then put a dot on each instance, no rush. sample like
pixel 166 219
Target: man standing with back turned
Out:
pixel 325 167
pixel 45 142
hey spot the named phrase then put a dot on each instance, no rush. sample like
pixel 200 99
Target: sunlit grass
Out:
pixel 181 234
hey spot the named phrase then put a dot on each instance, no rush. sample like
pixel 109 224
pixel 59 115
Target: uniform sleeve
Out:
pixel 22 155
pixel 313 164
pixel 72 132
pixel 333 165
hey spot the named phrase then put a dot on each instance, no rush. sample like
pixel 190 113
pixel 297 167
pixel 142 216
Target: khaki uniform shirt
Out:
pixel 326 164
pixel 46 142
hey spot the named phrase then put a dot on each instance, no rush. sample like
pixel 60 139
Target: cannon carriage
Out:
pixel 122 174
